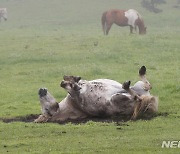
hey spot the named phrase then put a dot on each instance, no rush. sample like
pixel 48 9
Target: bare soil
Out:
pixel 117 119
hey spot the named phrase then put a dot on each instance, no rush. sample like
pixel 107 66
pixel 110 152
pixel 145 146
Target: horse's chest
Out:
pixel 132 17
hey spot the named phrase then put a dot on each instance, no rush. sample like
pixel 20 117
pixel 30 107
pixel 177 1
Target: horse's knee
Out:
pixel 119 98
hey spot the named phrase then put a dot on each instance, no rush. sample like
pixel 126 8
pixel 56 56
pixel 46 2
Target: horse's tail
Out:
pixel 103 21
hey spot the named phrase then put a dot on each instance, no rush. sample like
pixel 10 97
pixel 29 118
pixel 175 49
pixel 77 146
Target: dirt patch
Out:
pixel 28 118
pixel 32 117
pixel 118 120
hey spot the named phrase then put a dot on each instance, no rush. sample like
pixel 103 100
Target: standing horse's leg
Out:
pixel 104 29
pixel 131 29
pixel 104 26
pixel 108 27
pixel 135 28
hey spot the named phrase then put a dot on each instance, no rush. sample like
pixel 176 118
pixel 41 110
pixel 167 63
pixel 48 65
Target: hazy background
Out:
pixel 42 40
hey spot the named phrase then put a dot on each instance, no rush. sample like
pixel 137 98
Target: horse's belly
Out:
pixel 121 20
pixel 96 96
pixel 122 24
pixel 96 104
pixel 101 87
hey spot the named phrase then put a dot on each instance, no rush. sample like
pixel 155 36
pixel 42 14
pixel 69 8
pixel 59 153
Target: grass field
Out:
pixel 46 39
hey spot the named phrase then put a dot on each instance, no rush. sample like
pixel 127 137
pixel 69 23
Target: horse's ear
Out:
pixel 77 78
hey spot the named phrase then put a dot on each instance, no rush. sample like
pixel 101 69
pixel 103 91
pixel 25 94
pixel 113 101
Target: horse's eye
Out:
pixel 71 85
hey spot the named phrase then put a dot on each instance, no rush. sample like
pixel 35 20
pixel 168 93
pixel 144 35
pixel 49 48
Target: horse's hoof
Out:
pixel 142 71
pixel 126 85
pixel 42 92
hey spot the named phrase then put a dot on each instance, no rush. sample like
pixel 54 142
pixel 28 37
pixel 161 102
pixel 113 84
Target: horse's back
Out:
pixel 117 16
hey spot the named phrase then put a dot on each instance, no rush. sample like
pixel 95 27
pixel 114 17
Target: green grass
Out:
pixel 44 40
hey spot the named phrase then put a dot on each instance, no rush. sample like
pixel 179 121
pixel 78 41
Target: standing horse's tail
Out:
pixel 103 21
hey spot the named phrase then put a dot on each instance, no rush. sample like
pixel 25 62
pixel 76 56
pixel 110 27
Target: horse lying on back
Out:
pixel 3 13
pixel 98 98
pixel 123 18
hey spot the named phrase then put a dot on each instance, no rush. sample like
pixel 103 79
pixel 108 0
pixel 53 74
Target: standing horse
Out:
pixel 3 13
pixel 123 18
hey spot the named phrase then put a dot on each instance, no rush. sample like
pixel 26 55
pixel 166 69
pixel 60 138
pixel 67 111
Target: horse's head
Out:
pixel 142 27
pixel 143 30
pixel 146 107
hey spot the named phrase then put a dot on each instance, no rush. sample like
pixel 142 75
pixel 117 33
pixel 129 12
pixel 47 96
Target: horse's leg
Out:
pixel 49 106
pixel 137 99
pixel 108 27
pixel 126 86
pixel 122 104
pixel 104 29
pixel 142 74
pixel 131 29
pixel 135 28
pixel 119 98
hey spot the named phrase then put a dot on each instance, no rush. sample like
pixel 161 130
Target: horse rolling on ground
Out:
pixel 123 18
pixel 98 98
pixel 3 13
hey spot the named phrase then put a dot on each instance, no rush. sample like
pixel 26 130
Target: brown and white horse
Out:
pixel 123 18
